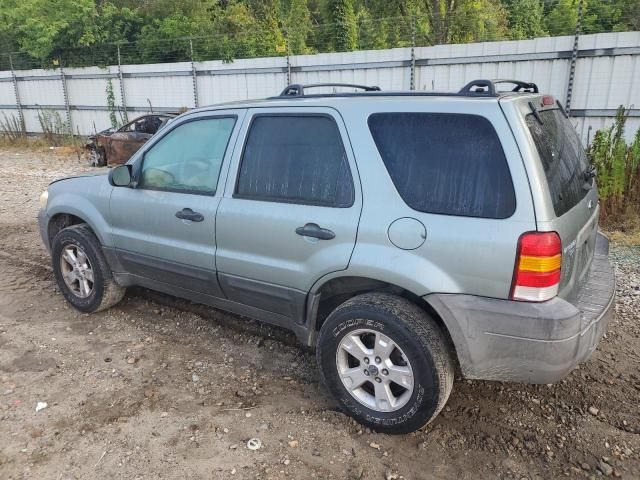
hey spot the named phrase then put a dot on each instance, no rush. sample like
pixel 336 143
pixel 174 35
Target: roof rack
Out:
pixel 488 87
pixel 297 90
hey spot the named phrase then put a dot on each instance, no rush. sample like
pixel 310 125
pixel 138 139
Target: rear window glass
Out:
pixel 451 164
pixel 295 159
pixel 563 158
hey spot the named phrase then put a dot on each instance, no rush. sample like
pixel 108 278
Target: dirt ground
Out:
pixel 158 388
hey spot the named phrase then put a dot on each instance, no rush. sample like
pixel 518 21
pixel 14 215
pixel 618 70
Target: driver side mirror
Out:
pixel 120 176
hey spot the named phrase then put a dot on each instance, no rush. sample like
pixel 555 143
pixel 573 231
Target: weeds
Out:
pixel 618 168
pixel 114 111
pixel 55 133
pixel 54 129
pixel 11 128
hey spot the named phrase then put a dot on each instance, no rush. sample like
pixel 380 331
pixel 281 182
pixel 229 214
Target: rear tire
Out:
pixel 401 391
pixel 82 272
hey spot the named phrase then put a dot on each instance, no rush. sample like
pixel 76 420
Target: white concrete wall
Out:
pixel 604 80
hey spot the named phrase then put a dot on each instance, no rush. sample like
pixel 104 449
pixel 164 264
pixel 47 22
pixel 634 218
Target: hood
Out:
pixel 87 174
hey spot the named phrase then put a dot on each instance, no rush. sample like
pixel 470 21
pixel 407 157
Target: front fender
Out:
pixel 86 198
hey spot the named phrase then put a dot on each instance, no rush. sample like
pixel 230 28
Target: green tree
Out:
pixel 342 19
pixel 562 18
pixel 165 40
pixel 476 20
pixel 270 37
pixel 372 34
pixel 525 18
pixel 87 32
pixel 298 26
pixel 237 33
pixel 43 27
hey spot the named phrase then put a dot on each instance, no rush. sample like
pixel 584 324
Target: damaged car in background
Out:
pixel 114 146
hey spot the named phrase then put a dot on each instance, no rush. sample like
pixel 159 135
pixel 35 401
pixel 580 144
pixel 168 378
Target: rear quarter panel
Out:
pixel 578 226
pixel 460 254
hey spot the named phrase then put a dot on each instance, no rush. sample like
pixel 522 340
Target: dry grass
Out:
pixel 626 230
pixel 628 238
pixel 66 146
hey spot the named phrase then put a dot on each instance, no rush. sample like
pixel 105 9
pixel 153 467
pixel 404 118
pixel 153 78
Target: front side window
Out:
pixel 189 157
pixel 295 159
pixel 443 163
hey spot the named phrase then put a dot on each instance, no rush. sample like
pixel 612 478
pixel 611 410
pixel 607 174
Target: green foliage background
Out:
pixel 618 171
pixel 85 32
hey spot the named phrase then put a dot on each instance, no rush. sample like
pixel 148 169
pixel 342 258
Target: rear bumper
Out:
pixel 530 342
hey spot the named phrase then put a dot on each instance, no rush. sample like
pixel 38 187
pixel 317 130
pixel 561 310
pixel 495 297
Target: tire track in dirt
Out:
pixel 40 271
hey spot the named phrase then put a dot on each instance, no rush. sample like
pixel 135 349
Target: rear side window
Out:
pixel 563 159
pixel 450 164
pixel 295 159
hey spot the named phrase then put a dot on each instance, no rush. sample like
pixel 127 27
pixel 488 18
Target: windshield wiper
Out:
pixel 588 175
pixel 535 113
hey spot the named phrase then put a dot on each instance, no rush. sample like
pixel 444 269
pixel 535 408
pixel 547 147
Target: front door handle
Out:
pixel 314 230
pixel 188 214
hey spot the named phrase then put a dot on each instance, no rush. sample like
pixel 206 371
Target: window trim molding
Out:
pixel 506 160
pixel 140 163
pixel 292 201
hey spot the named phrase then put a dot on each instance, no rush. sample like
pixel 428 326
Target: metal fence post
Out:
pixel 65 95
pixel 412 80
pixel 17 95
pixel 286 40
pixel 123 98
pixel 194 76
pixel 574 58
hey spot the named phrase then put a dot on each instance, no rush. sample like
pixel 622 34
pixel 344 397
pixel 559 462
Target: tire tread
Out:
pixel 418 323
pixel 112 292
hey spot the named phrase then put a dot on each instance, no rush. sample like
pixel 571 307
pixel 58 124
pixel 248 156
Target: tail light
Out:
pixel 536 275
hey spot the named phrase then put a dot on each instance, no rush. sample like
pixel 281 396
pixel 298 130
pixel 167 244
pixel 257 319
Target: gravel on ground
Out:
pixel 158 388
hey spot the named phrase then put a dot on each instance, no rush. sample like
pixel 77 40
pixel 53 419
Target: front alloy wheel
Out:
pixel 81 270
pixel 77 271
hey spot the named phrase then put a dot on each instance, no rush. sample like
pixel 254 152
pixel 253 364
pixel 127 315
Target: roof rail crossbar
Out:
pixel 520 86
pixel 297 90
pixel 488 87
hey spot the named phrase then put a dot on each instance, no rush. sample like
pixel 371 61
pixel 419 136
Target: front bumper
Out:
pixel 43 223
pixel 530 342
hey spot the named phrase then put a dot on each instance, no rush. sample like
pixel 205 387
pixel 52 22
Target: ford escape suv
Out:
pixel 405 236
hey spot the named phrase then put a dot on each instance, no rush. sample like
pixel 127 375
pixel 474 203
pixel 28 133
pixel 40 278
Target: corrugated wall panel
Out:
pixel 601 82
pixel 7 96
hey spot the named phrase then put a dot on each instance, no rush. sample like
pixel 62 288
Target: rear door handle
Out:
pixel 188 214
pixel 315 231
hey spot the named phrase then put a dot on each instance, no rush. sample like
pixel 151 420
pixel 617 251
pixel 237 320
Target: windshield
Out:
pixel 563 158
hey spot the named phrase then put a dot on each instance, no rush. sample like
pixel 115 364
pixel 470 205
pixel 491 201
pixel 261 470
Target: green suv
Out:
pixel 405 236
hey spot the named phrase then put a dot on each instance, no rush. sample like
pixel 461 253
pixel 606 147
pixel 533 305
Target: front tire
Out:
pixel 386 362
pixel 82 272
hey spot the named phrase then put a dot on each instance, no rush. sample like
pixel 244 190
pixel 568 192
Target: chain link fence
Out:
pixel 188 61
pixel 365 33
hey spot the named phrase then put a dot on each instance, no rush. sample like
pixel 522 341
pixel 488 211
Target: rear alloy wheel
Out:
pixel 386 361
pixel 375 370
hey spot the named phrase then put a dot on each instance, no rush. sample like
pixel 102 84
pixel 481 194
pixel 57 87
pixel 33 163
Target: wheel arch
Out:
pixel 70 206
pixel 59 222
pixel 63 219
pixel 327 295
